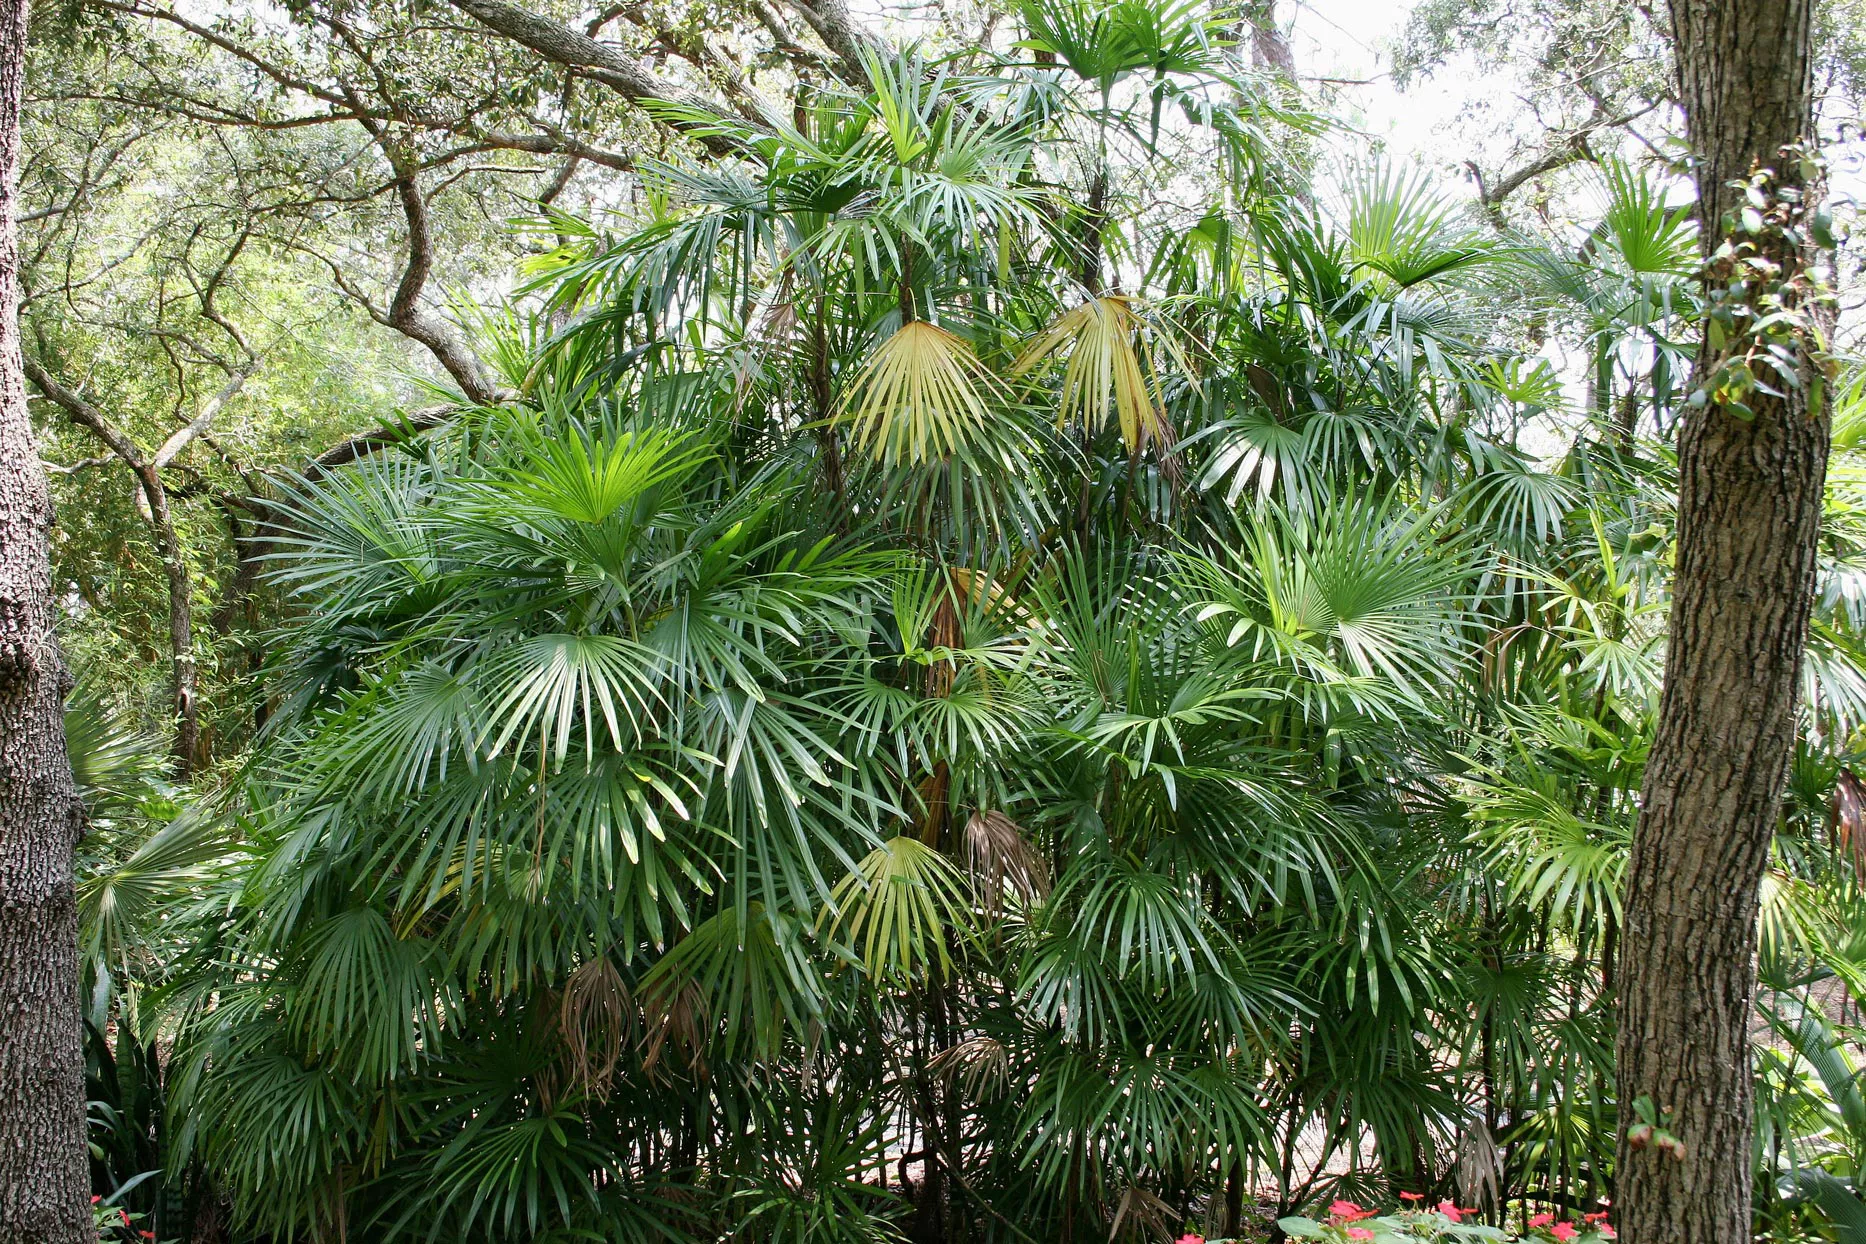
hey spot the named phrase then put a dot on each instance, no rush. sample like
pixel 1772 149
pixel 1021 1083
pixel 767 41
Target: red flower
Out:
pixel 1607 1232
pixel 125 1215
pixel 1563 1230
pixel 1190 1239
pixel 147 1235
pixel 1348 1211
pixel 1450 1210
pixel 1541 1220
pixel 1360 1233
pixel 96 1199
pixel 1600 1217
pixel 1412 1196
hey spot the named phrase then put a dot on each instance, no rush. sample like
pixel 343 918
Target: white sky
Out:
pixel 1344 48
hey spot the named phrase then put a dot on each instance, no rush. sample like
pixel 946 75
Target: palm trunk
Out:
pixel 1233 1225
pixel 44 1173
pixel 821 409
pixel 1748 521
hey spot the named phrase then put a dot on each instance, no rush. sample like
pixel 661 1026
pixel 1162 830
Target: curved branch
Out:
pixel 840 33
pixel 599 62
pixel 183 675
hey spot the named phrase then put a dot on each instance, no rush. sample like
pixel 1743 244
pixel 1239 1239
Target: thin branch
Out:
pixel 348 451
pixel 82 464
pixel 168 545
pixel 82 412
pixel 1574 148
pixel 840 33
pixel 182 437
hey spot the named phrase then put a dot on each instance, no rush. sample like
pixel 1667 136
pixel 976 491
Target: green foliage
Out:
pixel 929 707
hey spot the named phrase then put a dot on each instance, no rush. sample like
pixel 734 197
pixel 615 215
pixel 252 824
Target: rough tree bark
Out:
pixel 1748 520
pixel 44 1174
pixel 1269 49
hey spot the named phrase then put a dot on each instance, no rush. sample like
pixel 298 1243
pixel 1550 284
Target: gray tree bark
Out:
pixel 1269 49
pixel 1748 521
pixel 44 1173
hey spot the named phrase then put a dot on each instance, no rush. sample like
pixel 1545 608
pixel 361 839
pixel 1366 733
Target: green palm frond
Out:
pixel 1652 237
pixel 118 904
pixel 524 1174
pixel 1551 856
pixel 900 909
pixel 736 985
pixel 1399 226
pixel 569 474
pixel 1352 592
pixel 115 764
pixel 1104 42
pixel 555 684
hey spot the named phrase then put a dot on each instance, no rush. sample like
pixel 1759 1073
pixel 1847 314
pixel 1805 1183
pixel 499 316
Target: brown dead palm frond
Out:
pixel 1479 1170
pixel 550 1078
pixel 1001 856
pixel 594 1018
pixel 1846 819
pixel 1111 369
pixel 919 395
pixel 980 1065
pixel 1144 1213
pixel 678 1013
pixel 772 329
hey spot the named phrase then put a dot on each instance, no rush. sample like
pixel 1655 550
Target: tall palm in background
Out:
pixel 974 693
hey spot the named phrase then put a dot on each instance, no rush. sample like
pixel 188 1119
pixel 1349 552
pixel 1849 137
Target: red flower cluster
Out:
pixel 1343 1212
pixel 1567 1230
pixel 1348 1211
pixel 1447 1208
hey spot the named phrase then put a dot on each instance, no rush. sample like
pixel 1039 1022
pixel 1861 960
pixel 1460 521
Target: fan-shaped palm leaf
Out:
pixel 919 395
pixel 1111 371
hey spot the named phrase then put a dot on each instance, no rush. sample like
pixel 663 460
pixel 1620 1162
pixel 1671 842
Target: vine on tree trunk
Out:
pixel 1764 306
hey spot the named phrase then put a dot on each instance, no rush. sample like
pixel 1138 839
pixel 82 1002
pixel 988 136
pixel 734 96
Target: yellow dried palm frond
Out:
pixel 1111 369
pixel 918 395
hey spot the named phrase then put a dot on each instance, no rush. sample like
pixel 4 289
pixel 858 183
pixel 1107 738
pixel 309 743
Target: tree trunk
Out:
pixel 1269 49
pixel 182 676
pixel 44 1172
pixel 1748 519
